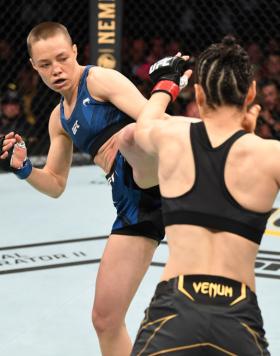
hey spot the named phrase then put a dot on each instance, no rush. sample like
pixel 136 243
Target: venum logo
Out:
pixel 213 289
pixel 75 127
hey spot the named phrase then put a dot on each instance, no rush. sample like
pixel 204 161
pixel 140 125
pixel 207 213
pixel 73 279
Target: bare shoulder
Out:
pixel 266 150
pixel 172 128
pixel 98 75
pixel 99 72
pixel 104 82
pixel 262 144
pixel 175 123
pixel 186 119
pixel 55 127
pixel 273 148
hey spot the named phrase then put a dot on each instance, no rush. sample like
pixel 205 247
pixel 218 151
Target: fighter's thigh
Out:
pixel 122 267
pixel 144 166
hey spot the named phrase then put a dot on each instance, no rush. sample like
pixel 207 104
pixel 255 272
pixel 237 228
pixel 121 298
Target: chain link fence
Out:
pixel 154 29
pixel 26 102
pixel 151 29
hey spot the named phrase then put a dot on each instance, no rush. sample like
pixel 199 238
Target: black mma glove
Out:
pixel 166 74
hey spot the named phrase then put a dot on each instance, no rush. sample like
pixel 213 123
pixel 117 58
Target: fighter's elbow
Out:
pixel 59 188
pixel 56 194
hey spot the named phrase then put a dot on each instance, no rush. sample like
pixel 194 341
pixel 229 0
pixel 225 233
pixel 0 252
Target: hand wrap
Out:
pixel 25 171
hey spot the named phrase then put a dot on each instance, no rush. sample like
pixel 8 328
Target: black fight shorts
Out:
pixel 201 315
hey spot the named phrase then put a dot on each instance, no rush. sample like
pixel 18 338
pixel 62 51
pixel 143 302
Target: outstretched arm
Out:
pixel 169 76
pixel 110 85
pixel 151 121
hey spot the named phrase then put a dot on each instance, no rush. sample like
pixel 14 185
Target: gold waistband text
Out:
pixel 213 289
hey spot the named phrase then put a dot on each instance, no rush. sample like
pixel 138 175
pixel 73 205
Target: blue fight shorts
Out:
pixel 138 210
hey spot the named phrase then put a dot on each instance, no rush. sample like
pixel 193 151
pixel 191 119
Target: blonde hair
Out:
pixel 45 30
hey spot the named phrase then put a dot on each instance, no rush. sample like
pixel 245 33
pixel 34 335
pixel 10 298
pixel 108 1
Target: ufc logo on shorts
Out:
pixel 111 179
pixel 75 127
pixel 162 63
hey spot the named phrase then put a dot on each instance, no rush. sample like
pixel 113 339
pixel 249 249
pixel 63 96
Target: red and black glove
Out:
pixel 166 74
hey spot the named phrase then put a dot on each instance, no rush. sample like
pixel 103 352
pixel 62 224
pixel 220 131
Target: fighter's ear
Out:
pixel 199 95
pixel 250 97
pixel 32 63
pixel 75 49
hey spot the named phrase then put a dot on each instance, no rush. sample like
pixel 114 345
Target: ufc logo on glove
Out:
pixel 162 63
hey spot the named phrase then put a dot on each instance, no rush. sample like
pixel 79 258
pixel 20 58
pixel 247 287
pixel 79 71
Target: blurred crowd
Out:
pixel 26 103
pixel 138 55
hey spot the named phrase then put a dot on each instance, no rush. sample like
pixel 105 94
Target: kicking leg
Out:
pixel 144 166
pixel 122 268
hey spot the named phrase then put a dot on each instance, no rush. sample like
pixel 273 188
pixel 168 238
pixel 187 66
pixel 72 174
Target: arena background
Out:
pixel 141 31
pixel 50 249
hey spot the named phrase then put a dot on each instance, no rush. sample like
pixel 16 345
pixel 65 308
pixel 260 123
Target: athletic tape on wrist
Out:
pixel 25 171
pixel 168 87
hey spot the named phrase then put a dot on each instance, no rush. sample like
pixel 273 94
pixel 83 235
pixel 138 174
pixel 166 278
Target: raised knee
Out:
pixel 126 136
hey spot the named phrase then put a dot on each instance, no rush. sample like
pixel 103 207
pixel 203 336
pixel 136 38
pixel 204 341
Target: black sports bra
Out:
pixel 208 203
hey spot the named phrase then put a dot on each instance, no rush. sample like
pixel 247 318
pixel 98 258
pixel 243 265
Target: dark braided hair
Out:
pixel 225 73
